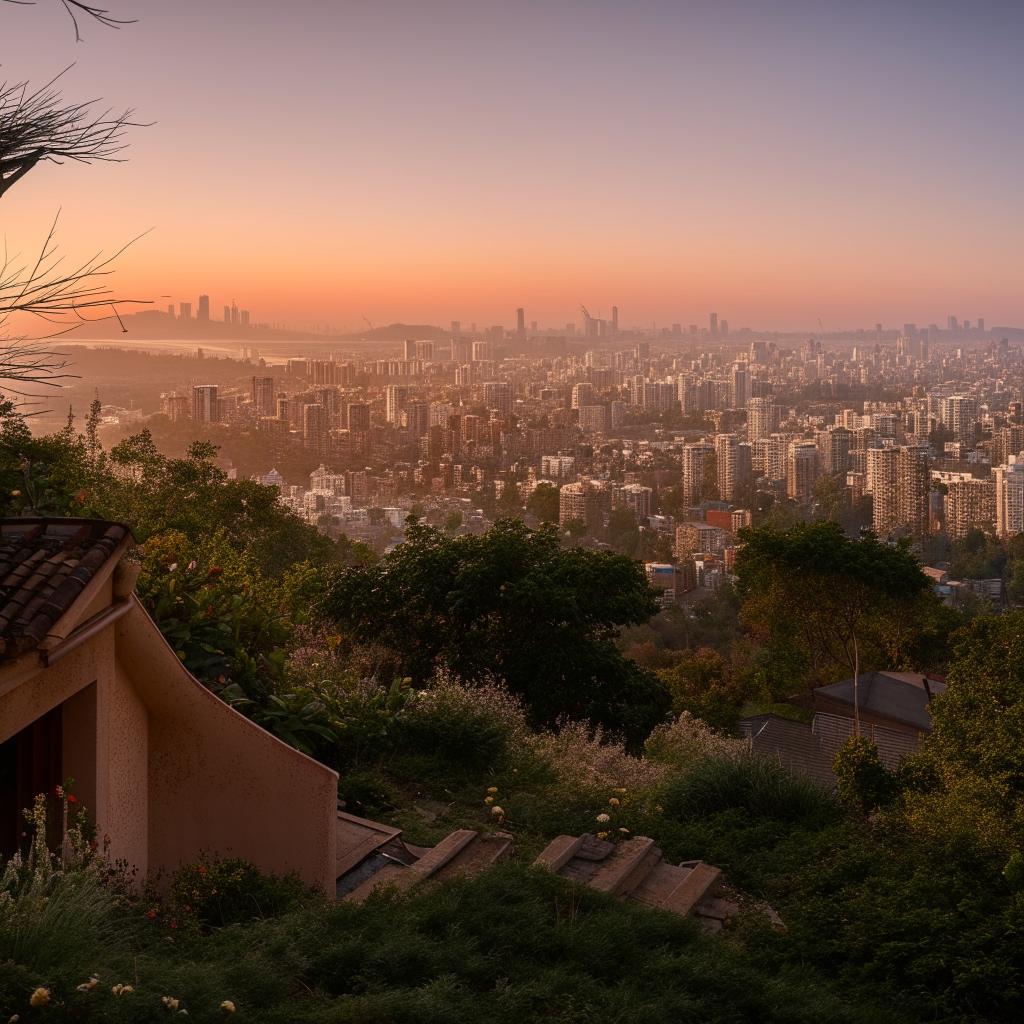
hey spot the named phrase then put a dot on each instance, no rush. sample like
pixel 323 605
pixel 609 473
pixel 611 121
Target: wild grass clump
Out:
pixel 756 786
pixel 686 740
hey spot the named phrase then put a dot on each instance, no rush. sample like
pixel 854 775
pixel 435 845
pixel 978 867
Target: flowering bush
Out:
pixel 212 893
pixel 582 758
pixel 686 740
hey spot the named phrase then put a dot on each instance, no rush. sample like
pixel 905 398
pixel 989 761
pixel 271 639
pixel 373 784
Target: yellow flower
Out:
pixel 621 789
pixel 614 801
pixel 659 808
pixel 496 810
pixel 122 990
pixel 88 986
pixel 492 789
pixel 602 835
pixel 625 831
pixel 488 799
pixel 227 1006
pixel 170 1002
pixel 40 997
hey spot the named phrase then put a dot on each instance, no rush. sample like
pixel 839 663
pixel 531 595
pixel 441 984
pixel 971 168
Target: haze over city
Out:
pixel 326 162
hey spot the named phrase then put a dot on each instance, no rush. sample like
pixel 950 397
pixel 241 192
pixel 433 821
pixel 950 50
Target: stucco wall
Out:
pixel 218 782
pixel 167 769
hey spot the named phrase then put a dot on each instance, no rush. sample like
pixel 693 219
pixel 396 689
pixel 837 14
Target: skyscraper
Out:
pixel 521 321
pixel 696 458
pixel 713 324
pixel 762 418
pixel 263 395
pixel 184 310
pixel 498 395
pixel 615 319
pixel 204 309
pixel 204 403
pixel 801 470
pixel 727 465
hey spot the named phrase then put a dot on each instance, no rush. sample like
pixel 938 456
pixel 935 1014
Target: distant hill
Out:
pixel 155 325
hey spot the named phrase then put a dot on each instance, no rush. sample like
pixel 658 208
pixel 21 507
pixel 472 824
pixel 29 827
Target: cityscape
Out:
pixel 665 443
pixel 511 512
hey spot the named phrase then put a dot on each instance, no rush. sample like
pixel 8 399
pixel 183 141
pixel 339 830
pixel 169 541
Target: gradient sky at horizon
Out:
pixel 419 161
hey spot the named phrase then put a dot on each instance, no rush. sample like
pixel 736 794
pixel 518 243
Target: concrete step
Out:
pixel 559 852
pixel 659 885
pixel 438 856
pixel 627 866
pixel 476 856
pixel 701 882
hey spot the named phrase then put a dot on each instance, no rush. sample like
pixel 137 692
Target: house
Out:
pixel 893 711
pixel 90 690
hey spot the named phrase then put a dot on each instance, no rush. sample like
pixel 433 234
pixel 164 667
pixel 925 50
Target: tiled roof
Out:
pixel 44 565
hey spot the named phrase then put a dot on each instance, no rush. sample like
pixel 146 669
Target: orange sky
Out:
pixel 400 161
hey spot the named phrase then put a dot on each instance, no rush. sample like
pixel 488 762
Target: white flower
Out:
pixel 170 1002
pixel 227 1006
pixel 603 818
pixel 40 997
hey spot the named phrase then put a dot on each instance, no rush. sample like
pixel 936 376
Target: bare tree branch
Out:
pixel 37 126
pixel 62 295
pixel 77 9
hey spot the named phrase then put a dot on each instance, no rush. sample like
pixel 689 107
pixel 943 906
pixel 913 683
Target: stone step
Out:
pixel 627 866
pixel 438 856
pixel 559 852
pixel 476 856
pixel 701 881
pixel 659 885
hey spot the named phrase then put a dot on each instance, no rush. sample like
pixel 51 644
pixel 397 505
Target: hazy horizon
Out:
pixel 320 162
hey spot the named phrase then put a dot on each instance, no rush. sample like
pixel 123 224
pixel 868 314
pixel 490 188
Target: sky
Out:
pixel 322 161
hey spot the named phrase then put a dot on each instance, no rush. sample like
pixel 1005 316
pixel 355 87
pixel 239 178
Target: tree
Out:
pixel 543 503
pixel 812 586
pixel 514 605
pixel 968 780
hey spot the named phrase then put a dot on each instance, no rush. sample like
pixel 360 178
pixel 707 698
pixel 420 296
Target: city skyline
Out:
pixel 813 162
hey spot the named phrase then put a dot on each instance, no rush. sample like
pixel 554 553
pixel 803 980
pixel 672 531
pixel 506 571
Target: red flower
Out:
pixel 174 926
pixel 215 570
pixel 151 914
pixel 72 799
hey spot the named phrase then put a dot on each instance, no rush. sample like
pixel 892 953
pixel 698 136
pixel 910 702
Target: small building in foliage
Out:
pixel 90 691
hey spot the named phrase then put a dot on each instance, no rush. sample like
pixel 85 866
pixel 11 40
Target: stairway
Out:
pixel 635 870
pixel 465 852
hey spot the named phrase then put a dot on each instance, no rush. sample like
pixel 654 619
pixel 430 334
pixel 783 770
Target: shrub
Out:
pixel 466 728
pixel 212 893
pixel 756 786
pixel 686 739
pixel 862 781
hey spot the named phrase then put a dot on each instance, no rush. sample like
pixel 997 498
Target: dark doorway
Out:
pixel 30 763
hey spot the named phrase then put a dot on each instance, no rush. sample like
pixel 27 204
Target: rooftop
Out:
pixel 45 564
pixel 901 696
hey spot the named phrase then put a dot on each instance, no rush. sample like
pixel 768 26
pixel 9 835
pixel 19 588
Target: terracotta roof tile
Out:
pixel 45 564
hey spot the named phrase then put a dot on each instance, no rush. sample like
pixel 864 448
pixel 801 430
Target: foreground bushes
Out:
pixel 513 945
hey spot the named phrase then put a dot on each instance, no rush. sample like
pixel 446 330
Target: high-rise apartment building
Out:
pixel 263 395
pixel 498 395
pixel 898 478
pixel 740 391
pixel 1009 484
pixel 395 398
pixel 762 418
pixel 970 504
pixel 801 470
pixel 204 404
pixel 727 465
pixel 834 450
pixel 696 458
pixel 203 313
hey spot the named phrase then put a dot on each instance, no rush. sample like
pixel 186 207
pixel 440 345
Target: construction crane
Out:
pixel 370 325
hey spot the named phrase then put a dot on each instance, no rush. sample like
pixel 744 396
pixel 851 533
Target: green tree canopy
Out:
pixel 543 503
pixel 511 604
pixel 846 604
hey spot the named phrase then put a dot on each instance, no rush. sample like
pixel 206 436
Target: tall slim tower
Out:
pixel 521 321
pixel 615 319
pixel 727 452
pixel 203 312
pixel 713 324
pixel 695 461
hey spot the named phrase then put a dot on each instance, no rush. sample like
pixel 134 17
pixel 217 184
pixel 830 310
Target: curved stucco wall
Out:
pixel 218 782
